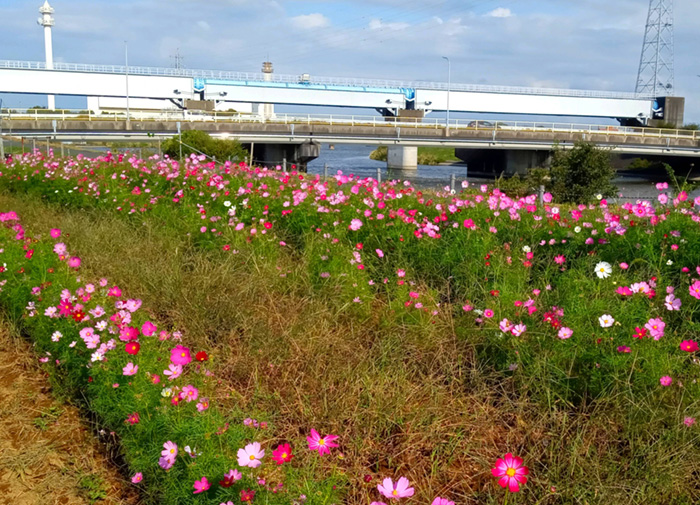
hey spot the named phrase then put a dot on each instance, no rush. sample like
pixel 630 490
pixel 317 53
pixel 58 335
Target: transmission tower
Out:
pixel 178 59
pixel 655 75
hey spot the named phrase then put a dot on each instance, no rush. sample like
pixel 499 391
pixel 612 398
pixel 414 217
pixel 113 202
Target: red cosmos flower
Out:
pixel 201 356
pixel 640 333
pixel 267 225
pixel 132 348
pixel 78 315
pixel 133 418
pixel 247 495
pixel 227 247
pixel 283 454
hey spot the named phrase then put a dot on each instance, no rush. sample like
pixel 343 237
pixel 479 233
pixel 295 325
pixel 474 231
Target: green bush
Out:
pixel 580 174
pixel 195 141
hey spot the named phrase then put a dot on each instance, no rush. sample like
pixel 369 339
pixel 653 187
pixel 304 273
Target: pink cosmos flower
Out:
pixel 148 328
pixel 379 252
pixel 173 372
pixel 488 313
pixel 355 225
pixel 565 332
pixel 55 233
pixel 166 462
pixel 511 472
pixel 656 328
pixel 442 501
pixel 169 450
pixel 189 393
pixel 689 421
pixel 695 290
pixel 672 303
pixel 321 444
pixel 505 326
pixel 203 405
pixel 666 380
pixel 130 369
pixel 518 329
pixel 138 477
pixel 689 346
pixel 559 259
pixel 251 455
pixel 395 491
pixel 128 334
pixel 74 262
pixel 180 355
pixel 114 291
pixel 60 249
pixel 230 477
pixel 201 485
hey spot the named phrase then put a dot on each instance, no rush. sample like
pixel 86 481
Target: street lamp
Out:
pixel 449 85
pixel 126 73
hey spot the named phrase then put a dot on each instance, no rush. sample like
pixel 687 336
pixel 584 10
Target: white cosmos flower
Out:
pixel 526 248
pixel 227 203
pixel 606 321
pixel 603 270
pixel 577 229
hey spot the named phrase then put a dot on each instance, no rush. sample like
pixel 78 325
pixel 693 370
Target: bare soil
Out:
pixel 48 454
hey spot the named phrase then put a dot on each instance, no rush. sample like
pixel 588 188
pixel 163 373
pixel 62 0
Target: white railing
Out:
pixel 348 120
pixel 330 81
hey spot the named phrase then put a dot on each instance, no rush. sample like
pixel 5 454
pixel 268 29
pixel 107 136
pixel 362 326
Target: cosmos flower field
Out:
pixel 428 347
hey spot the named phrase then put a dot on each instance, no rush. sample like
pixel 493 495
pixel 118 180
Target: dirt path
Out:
pixel 47 454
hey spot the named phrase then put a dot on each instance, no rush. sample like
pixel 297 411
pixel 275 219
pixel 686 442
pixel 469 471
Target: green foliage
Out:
pixel 379 154
pixel 580 174
pixel 93 488
pixel 426 155
pixel 199 142
pixel 691 126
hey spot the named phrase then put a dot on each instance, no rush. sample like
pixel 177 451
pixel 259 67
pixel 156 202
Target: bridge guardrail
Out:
pixel 348 120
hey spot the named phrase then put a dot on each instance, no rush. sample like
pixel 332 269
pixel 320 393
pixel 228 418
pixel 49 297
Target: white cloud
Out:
pixel 310 21
pixel 203 25
pixel 378 24
pixel 500 12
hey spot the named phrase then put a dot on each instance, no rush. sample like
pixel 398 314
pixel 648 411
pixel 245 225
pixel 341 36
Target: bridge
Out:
pixel 387 96
pixel 516 145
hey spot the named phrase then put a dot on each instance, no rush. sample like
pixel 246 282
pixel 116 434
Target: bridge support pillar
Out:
pixel 509 162
pixel 272 155
pixel 402 157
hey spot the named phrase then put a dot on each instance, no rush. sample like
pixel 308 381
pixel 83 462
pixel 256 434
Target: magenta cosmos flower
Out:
pixel 401 489
pixel 201 485
pixel 283 454
pixel 74 262
pixel 666 380
pixel 321 444
pixel 511 472
pixel 689 346
pixel 180 355
pixel 55 233
pixel 251 455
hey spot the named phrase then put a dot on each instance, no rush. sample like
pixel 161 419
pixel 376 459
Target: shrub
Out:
pixel 199 142
pixel 580 174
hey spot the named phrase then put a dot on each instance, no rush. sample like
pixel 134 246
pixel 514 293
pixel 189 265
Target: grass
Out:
pixel 429 396
pixel 426 155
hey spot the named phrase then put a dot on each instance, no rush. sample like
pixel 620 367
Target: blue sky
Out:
pixel 589 44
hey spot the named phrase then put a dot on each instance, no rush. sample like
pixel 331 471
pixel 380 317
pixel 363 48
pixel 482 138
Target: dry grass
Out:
pixel 47 454
pixel 407 400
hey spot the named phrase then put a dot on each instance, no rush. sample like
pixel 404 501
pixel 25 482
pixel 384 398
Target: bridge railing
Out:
pixel 495 127
pixel 332 81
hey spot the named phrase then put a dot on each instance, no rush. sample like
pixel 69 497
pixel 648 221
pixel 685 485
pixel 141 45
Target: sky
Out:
pixel 582 44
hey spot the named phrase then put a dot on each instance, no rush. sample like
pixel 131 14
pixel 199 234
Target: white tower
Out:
pixel 46 20
pixel 268 109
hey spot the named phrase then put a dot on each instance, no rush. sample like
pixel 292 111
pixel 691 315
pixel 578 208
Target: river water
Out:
pixel 354 159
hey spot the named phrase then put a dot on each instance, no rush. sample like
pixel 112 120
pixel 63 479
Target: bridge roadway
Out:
pixel 75 79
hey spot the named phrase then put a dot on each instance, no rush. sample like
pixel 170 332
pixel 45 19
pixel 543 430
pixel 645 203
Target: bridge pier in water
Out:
pixel 400 157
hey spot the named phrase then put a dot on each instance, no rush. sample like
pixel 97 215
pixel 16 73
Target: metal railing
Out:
pixel 348 120
pixel 395 85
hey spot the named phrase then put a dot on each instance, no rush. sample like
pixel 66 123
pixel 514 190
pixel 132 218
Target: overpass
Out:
pixel 296 138
pixel 388 96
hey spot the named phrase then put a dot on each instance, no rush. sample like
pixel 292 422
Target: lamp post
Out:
pixel 126 74
pixel 449 85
